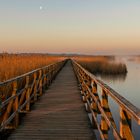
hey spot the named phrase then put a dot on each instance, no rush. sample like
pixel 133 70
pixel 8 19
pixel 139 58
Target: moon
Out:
pixel 40 7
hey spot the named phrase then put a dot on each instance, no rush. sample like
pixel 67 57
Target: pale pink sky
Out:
pixel 70 26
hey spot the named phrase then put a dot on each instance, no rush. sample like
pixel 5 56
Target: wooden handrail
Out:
pixel 18 93
pixel 99 105
pixel 28 73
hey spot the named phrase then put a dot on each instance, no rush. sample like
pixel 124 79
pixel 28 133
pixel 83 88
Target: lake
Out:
pixel 128 86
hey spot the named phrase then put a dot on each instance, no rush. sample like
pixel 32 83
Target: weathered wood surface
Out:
pixel 59 114
pixel 95 95
pixel 18 93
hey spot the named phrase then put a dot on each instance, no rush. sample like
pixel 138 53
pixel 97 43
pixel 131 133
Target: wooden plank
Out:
pixel 59 114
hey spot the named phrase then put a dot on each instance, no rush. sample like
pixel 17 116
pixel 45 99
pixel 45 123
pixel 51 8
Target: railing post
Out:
pixel 53 71
pixel 83 87
pixel 94 91
pixel 27 94
pixel 88 81
pixel 88 99
pixel 49 76
pixel 44 79
pixel 125 125
pixel 40 83
pixel 78 72
pixel 83 93
pixel 93 104
pixel 16 104
pixel 104 104
pixel 35 86
pixel 56 68
pixel 0 108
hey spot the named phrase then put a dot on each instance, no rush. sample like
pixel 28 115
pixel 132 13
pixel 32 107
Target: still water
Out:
pixel 129 87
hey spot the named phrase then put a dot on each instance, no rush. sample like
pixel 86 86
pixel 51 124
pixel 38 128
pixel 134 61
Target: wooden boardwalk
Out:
pixel 59 113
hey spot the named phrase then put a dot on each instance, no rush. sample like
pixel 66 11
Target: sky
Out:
pixel 70 26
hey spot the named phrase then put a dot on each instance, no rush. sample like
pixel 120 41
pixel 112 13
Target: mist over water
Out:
pixel 128 87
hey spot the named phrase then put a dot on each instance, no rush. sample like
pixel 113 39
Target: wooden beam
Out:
pixel 125 125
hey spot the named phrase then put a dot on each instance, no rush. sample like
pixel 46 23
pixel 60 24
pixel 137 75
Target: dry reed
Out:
pixel 12 65
pixel 102 65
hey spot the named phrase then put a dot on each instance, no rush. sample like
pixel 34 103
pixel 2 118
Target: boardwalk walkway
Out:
pixel 59 114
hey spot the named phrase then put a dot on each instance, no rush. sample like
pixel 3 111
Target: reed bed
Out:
pixel 102 65
pixel 134 58
pixel 12 65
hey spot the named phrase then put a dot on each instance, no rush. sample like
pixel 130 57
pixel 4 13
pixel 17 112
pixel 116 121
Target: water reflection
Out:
pixel 113 78
pixel 127 86
pixel 134 59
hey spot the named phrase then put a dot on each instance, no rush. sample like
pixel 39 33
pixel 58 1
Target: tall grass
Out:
pixel 135 59
pixel 12 65
pixel 102 65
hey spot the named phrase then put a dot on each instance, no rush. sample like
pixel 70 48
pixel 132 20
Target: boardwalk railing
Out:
pixel 17 94
pixel 95 104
